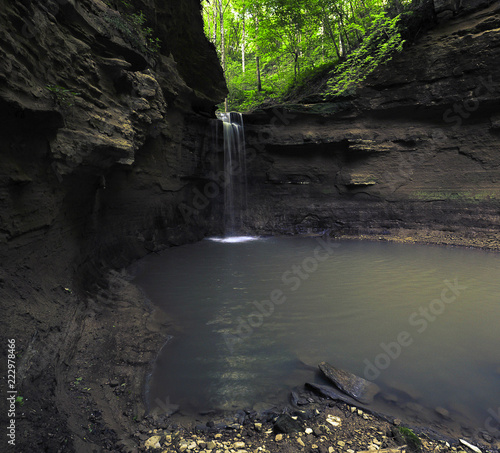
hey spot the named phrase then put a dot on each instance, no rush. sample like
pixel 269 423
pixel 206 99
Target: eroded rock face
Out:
pixel 84 107
pixel 416 148
pixel 100 142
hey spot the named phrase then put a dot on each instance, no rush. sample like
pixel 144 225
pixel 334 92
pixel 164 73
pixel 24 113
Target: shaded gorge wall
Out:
pixel 416 148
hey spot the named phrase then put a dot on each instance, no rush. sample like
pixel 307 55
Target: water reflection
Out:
pixel 351 309
pixel 234 239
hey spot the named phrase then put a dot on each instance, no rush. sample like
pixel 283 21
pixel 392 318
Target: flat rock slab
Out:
pixel 360 389
pixel 332 393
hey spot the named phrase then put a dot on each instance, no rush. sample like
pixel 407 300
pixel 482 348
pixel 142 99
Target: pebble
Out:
pixel 258 426
pixel 333 420
pixel 317 432
pixel 341 443
pixel 278 437
pixel 472 447
pixel 301 442
pixel 153 442
pixel 239 445
pixel 308 431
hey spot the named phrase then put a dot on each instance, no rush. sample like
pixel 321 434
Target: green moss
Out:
pixel 62 96
pixel 412 440
pixel 464 196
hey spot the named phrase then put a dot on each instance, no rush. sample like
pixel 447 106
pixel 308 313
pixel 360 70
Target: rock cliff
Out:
pixel 415 149
pixel 101 139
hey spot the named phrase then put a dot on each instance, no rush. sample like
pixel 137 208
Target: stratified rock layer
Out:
pixel 417 148
pixel 101 141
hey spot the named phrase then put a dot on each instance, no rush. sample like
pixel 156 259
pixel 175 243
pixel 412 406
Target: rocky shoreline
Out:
pixel 485 240
pixel 326 428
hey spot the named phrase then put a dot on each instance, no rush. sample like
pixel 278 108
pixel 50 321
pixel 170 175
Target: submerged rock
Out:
pixel 299 400
pixel 443 412
pixel 355 386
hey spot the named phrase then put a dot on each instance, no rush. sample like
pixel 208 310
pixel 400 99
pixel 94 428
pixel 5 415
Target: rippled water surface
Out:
pixel 253 319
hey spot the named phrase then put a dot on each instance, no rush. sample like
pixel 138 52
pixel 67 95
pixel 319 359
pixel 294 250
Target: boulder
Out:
pixel 360 389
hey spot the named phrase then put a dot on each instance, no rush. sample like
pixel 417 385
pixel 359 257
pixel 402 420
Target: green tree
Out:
pixel 266 47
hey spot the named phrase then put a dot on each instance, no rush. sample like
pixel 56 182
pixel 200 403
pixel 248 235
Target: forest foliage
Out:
pixel 269 47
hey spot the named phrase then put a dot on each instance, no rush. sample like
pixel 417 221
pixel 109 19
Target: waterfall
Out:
pixel 235 177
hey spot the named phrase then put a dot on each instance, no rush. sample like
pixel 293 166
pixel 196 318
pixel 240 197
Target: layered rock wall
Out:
pixel 94 126
pixel 416 148
pixel 100 141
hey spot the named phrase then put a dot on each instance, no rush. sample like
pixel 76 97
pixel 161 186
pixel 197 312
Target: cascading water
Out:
pixel 235 176
pixel 235 173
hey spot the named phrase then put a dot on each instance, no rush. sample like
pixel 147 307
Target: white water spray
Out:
pixel 235 194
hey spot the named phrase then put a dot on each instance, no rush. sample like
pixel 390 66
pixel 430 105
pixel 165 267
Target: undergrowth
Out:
pixel 132 25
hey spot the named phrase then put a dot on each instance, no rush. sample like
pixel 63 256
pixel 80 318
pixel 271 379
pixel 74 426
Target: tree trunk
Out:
pixel 243 45
pixel 222 38
pixel 328 27
pixel 259 82
pixel 257 58
pixel 215 27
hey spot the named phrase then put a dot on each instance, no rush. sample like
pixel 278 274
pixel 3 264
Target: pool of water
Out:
pixel 254 318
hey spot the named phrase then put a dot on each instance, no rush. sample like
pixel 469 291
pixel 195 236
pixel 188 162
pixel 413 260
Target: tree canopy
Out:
pixel 266 47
